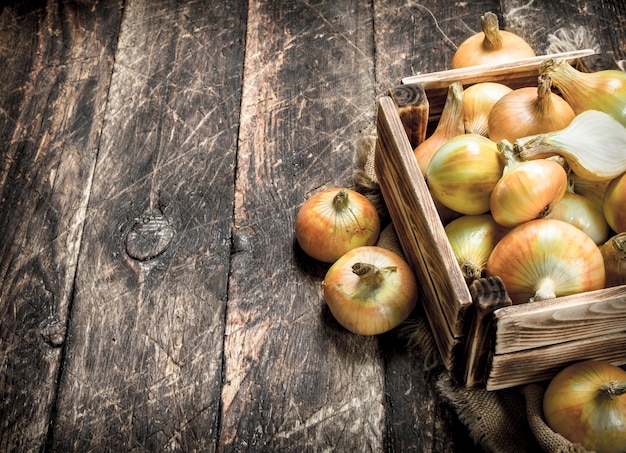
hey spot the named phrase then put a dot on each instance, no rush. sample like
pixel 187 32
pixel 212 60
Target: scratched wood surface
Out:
pixel 154 154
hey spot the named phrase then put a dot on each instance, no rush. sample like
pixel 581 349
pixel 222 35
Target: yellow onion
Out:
pixel 583 213
pixel 370 290
pixel 529 111
pixel 586 403
pixel 614 203
pixel 601 90
pixel 477 103
pixel 593 145
pixel 546 258
pixel 491 46
pixel 334 221
pixel 472 238
pixel 614 253
pixel 450 125
pixel 463 172
pixel 527 190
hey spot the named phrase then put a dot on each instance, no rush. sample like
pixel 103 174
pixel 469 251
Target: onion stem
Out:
pixel 370 275
pixel 614 389
pixel 491 28
pixel 341 200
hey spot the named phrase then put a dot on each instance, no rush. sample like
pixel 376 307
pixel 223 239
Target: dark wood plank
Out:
pixel 144 355
pixel 293 377
pixel 56 68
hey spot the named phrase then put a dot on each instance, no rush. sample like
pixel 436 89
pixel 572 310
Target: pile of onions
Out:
pixel 491 46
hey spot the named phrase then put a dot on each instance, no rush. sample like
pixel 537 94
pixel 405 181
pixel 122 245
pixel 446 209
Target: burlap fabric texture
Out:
pixel 507 421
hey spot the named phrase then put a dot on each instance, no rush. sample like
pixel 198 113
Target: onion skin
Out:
pixel 614 204
pixel 463 172
pixel 585 403
pixel 478 100
pixel 528 191
pixel 546 258
pixel 370 290
pixel 584 214
pixel 529 111
pixel 334 221
pixel 614 253
pixel 491 46
pixel 473 238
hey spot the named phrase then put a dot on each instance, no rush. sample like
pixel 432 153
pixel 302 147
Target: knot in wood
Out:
pixel 149 237
pixel 53 332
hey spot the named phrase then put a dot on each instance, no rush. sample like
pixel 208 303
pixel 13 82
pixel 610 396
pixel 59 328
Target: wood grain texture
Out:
pixel 144 354
pixel 57 60
pixel 562 319
pixel 518 368
pixel 293 377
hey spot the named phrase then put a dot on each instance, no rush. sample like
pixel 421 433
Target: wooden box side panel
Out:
pixel 560 320
pixel 420 232
pixel 518 368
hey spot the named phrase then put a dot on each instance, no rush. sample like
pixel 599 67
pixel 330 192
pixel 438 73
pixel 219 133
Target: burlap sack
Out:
pixel 507 421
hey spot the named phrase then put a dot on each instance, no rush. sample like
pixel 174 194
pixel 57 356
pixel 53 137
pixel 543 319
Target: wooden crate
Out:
pixel 483 338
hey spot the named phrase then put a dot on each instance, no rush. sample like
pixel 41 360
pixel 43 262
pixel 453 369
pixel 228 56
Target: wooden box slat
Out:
pixel 509 370
pixel 568 318
pixel 420 232
pixel 515 344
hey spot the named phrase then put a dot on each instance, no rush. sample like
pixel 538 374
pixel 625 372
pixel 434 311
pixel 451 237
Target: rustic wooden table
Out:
pixel 154 154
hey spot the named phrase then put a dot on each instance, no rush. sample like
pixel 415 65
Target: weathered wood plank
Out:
pixel 56 68
pixel 144 354
pixel 293 377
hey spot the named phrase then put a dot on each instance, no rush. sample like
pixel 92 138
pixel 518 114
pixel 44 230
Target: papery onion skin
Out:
pixel 491 46
pixel 614 204
pixel 614 253
pixel 370 304
pixel 478 100
pixel 584 214
pixel 579 405
pixel 334 221
pixel 546 258
pixel 473 238
pixel 463 173
pixel 529 111
pixel 528 191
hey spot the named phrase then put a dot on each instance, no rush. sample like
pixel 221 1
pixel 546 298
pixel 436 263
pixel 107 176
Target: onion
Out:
pixel 614 203
pixel 527 190
pixel 546 258
pixel 491 46
pixel 472 238
pixel 370 290
pixel 583 213
pixel 586 403
pixel 529 111
pixel 450 125
pixel 334 221
pixel 614 254
pixel 602 90
pixel 592 190
pixel 463 172
pixel 477 103
pixel 593 145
